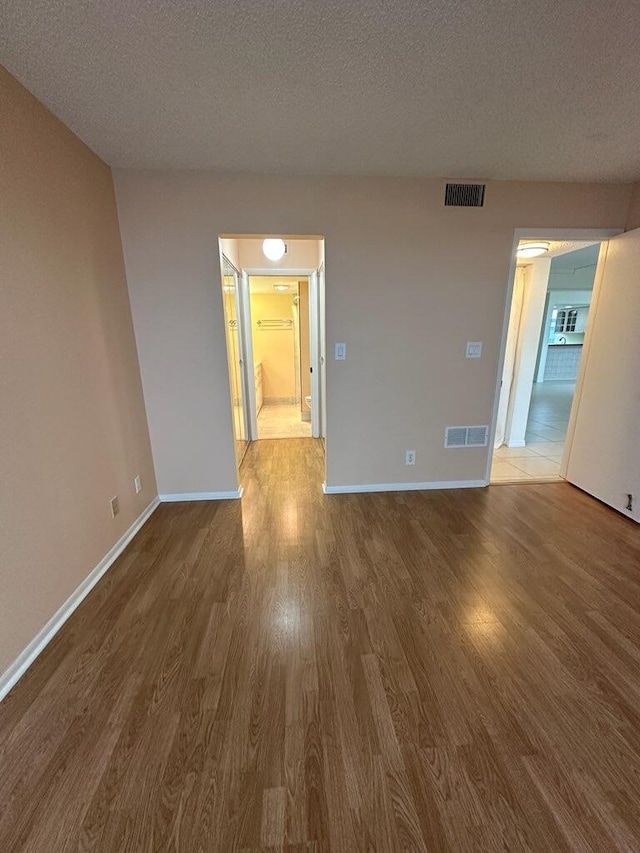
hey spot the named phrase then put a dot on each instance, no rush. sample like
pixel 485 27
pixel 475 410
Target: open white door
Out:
pixel 603 455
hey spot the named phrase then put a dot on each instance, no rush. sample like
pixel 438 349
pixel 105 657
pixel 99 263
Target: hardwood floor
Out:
pixel 435 671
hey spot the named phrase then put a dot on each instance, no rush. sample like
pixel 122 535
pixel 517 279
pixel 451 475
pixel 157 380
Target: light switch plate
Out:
pixel 474 349
pixel 340 351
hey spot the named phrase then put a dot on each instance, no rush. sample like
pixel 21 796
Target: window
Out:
pixel 566 320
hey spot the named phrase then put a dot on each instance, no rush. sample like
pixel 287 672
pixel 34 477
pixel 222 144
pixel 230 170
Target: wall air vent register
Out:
pixel 464 195
pixel 466 436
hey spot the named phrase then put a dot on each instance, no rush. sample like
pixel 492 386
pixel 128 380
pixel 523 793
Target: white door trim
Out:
pixel 248 369
pixel 312 275
pixel 322 349
pixel 314 359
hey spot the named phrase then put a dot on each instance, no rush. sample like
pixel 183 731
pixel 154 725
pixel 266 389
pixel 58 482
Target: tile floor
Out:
pixel 545 437
pixel 282 420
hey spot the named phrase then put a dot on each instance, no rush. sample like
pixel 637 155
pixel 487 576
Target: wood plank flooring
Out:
pixel 435 671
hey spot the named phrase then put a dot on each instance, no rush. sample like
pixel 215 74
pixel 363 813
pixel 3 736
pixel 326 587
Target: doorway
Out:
pixel 231 280
pixel 279 326
pixel 275 329
pixel 547 324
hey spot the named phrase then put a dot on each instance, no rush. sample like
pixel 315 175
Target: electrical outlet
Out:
pixel 340 351
pixel 137 484
pixel 114 503
pixel 409 457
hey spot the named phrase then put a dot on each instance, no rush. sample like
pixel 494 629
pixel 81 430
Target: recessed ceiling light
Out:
pixel 274 248
pixel 281 286
pixel 532 250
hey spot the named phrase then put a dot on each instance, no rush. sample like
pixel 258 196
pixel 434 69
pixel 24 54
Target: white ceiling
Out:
pixel 562 252
pixel 452 88
pixel 577 258
pixel 568 249
pixel 264 284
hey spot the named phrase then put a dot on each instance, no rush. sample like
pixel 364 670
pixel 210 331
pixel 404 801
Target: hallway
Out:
pixel 545 437
pixel 282 420
pixel 415 671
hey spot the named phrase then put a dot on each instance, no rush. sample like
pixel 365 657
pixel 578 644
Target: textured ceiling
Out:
pixel 576 257
pixel 455 88
pixel 566 254
pixel 264 283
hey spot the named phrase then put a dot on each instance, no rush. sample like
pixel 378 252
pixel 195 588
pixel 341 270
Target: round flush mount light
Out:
pixel 532 250
pixel 274 248
pixel 281 286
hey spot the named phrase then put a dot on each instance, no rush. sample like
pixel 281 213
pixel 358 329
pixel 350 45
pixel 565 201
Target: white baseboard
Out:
pixel 202 496
pixel 403 487
pixel 27 656
pixel 517 443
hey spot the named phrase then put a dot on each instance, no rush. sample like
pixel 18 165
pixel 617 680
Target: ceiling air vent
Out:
pixel 466 436
pixel 464 195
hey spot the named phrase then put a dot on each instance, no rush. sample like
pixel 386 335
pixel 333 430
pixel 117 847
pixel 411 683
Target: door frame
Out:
pixel 322 349
pixel 594 234
pixel 511 351
pixel 314 355
pixel 314 342
pixel 244 389
pixel 247 368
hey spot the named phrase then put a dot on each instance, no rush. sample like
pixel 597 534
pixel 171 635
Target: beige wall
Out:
pixel 580 279
pixel 301 254
pixel 633 217
pixel 274 348
pixel 408 282
pixel 230 247
pixel 73 427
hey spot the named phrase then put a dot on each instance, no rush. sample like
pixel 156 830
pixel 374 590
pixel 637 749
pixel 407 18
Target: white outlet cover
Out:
pixel 474 349
pixel 410 457
pixel 340 351
pixel 137 483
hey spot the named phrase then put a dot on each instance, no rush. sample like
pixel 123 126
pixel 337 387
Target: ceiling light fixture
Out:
pixel 274 248
pixel 281 286
pixel 532 250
